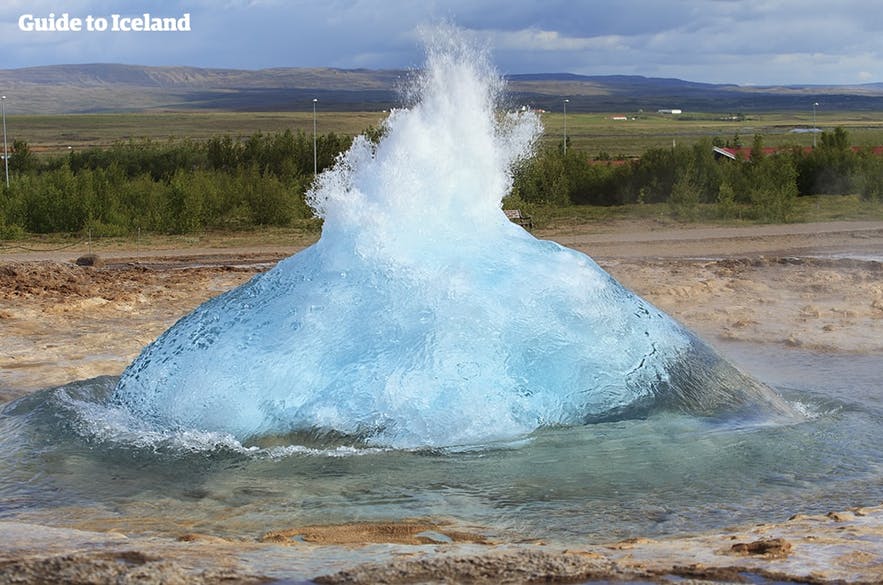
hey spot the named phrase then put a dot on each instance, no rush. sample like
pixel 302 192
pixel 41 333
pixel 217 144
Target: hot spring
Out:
pixel 423 317
pixel 428 358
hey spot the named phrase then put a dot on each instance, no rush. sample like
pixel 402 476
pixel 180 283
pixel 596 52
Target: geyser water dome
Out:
pixel 422 316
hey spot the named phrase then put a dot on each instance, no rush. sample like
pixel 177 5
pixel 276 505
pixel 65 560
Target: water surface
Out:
pixel 67 458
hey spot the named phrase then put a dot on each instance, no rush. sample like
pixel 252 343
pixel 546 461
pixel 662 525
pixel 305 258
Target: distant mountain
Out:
pixel 611 93
pixel 199 78
pixel 112 87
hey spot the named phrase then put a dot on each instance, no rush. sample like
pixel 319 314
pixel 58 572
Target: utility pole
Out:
pixel 5 149
pixel 315 159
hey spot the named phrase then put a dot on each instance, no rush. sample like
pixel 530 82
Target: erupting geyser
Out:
pixel 423 317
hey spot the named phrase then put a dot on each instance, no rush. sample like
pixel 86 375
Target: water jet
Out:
pixel 423 317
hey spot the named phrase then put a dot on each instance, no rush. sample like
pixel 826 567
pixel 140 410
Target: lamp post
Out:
pixel 814 129
pixel 315 159
pixel 5 150
pixel 565 127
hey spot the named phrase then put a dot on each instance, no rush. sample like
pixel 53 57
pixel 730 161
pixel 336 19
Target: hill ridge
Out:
pixel 108 87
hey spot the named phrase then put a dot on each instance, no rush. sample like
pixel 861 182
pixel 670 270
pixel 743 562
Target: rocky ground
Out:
pixel 835 548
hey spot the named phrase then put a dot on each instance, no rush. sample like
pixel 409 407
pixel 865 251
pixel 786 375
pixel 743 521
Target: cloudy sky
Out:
pixel 721 41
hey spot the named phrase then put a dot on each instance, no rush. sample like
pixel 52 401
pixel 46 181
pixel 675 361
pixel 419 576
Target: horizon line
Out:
pixel 576 76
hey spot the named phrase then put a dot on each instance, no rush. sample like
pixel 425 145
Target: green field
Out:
pixel 592 133
pixel 58 133
pixel 596 133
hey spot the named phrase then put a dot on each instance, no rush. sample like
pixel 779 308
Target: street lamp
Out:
pixel 315 165
pixel 814 129
pixel 565 127
pixel 5 150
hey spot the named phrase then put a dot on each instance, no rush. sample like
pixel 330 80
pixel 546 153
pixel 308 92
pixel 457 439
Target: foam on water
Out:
pixel 422 316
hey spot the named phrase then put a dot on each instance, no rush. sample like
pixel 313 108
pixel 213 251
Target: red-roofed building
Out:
pixel 744 152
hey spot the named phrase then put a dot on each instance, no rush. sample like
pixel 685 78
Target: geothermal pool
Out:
pixel 61 464
pixel 427 358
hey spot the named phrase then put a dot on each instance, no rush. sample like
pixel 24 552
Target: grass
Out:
pixel 559 220
pixel 597 133
pixel 297 236
pixel 591 133
pixel 56 134
pixel 838 208
pixel 815 208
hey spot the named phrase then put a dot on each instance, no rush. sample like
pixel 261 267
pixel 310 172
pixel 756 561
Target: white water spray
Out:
pixel 423 317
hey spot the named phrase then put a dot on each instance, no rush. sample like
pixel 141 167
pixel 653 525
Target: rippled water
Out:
pixel 66 459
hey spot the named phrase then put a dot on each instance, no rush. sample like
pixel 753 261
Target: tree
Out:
pixel 757 154
pixel 223 154
pixel 869 176
pixel 773 188
pixel 706 172
pixel 543 180
pixel 726 201
pixel 838 140
pixel 654 175
pixel 685 194
pixel 21 159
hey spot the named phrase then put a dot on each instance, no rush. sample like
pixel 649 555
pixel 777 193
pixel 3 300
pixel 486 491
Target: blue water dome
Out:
pixel 423 317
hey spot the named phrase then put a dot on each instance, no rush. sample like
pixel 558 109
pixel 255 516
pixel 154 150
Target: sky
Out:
pixel 746 42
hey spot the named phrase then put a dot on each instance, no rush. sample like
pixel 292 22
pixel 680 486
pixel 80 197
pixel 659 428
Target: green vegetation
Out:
pixel 806 208
pixel 762 187
pixel 602 134
pixel 594 133
pixel 57 134
pixel 212 181
pixel 173 187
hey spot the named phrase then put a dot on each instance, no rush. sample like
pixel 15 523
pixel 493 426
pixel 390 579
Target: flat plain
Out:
pixel 592 133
